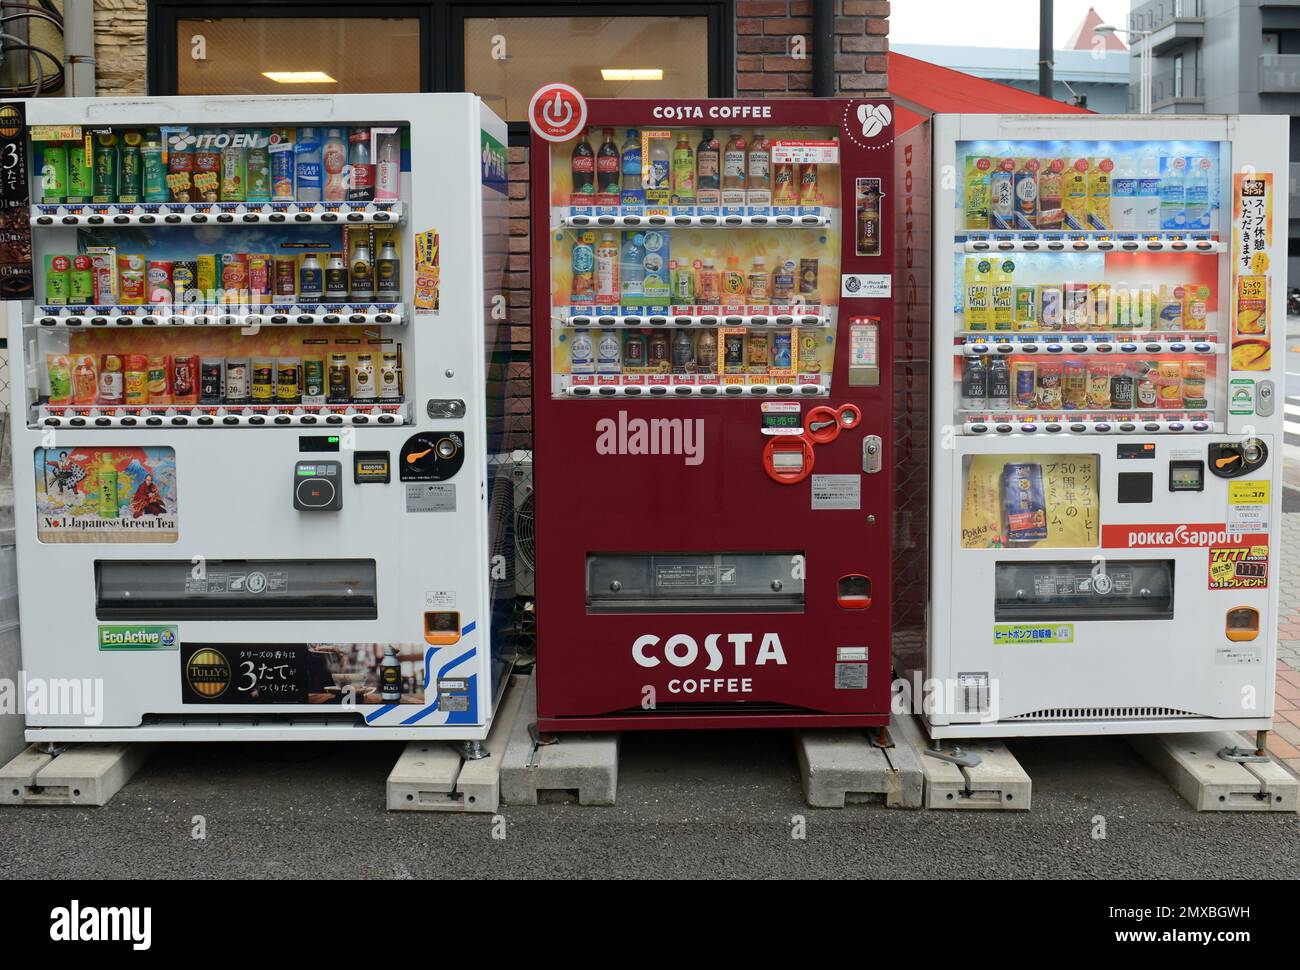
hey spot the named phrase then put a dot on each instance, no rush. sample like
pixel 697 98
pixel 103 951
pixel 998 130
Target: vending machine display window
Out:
pixel 662 286
pixel 1030 501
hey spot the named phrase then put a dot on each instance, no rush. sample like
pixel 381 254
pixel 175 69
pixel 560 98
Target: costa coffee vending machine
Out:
pixel 1106 428
pixel 249 418
pixel 711 333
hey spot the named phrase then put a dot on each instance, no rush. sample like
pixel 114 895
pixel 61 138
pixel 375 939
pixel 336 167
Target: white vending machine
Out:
pixel 1106 442
pixel 250 426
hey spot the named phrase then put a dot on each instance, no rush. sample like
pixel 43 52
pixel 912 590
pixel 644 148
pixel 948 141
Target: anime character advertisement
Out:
pixel 106 494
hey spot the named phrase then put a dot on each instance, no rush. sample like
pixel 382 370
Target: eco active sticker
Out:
pixel 114 637
pixel 1239 567
pixel 1008 633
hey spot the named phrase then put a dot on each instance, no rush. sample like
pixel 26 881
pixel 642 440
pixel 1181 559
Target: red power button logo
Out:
pixel 557 112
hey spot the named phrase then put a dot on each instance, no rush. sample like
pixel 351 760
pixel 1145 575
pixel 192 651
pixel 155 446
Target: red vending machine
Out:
pixel 711 335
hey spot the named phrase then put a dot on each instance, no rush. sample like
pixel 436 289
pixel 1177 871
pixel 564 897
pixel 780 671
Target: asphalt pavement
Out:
pixel 706 804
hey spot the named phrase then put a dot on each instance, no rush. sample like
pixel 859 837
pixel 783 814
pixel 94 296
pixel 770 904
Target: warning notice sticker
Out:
pixel 1238 567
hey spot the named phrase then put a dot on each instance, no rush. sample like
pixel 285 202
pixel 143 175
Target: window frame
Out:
pixel 720 42
pixel 442 30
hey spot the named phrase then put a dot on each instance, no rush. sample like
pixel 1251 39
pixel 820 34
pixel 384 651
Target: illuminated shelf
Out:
pixel 696 390
pixel 1091 421
pixel 1067 242
pixel 750 316
pixel 222 415
pixel 163 214
pixel 1092 345
pixel 314 314
pixel 695 217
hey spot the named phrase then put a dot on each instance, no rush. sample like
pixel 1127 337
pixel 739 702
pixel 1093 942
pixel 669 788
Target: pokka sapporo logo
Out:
pixel 207 672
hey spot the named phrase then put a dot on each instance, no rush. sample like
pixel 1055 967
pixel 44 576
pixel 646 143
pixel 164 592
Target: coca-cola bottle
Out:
pixel 608 165
pixel 584 168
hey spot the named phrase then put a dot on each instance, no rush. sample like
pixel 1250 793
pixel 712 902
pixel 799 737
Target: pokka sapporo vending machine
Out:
pixel 1109 314
pixel 712 391
pixel 248 401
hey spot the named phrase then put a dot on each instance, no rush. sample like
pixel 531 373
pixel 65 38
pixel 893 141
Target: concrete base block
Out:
pixel 81 774
pixel 433 776
pixel 997 783
pixel 1191 764
pixel 585 764
pixel 845 766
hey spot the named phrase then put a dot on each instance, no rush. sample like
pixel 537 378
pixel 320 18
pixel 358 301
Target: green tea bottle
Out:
pixel 106 480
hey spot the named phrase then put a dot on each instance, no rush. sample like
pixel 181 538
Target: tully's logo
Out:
pixel 11 121
pixel 208 672
pixel 651 436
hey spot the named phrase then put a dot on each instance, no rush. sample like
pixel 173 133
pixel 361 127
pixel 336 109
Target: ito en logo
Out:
pixel 874 118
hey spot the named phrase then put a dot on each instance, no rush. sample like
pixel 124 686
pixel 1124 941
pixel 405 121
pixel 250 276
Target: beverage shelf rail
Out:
pixel 697 390
pixel 690 217
pixel 1089 345
pixel 221 415
pixel 682 316
pixel 164 214
pixel 159 315
pixel 1091 422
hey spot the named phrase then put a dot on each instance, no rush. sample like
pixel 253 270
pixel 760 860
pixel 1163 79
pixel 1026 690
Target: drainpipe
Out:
pixel 78 50
pixel 823 48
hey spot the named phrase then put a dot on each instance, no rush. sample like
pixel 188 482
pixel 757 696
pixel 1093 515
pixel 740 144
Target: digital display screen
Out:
pixel 781 420
pixel 1186 476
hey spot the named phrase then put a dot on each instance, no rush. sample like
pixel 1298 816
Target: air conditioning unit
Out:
pixel 521 471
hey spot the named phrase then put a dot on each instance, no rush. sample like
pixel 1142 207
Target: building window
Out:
pixel 293 55
pixel 1178 76
pixel 506 59
pixel 503 52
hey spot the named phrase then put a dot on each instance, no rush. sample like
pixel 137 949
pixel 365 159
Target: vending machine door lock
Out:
pixel 872 454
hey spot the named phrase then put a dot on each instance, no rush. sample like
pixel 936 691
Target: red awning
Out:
pixel 921 89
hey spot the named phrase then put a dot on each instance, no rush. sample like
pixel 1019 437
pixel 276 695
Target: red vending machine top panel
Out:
pixel 711 333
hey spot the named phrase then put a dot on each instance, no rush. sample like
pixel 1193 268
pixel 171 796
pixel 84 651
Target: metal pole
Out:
pixel 823 48
pixel 1147 76
pixel 79 50
pixel 1045 48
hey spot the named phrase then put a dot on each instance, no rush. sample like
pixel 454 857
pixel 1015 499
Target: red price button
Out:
pixel 557 112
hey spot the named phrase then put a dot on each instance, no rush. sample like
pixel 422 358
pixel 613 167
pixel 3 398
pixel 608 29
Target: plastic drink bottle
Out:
pixel 334 155
pixel 631 166
pixel 388 167
pixel 1123 195
pixel 631 269
pixel 307 154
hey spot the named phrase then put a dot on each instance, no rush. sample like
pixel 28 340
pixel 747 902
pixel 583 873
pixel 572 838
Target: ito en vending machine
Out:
pixel 251 430
pixel 712 389
pixel 1106 436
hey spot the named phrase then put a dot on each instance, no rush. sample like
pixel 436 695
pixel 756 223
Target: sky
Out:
pixel 993 23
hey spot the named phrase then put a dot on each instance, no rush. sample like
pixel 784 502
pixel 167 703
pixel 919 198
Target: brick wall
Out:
pixel 774 47
pixel 120 47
